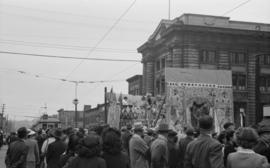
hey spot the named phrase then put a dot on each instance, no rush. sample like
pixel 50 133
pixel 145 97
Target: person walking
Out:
pixel 55 150
pixel 112 149
pixel 138 148
pixel 245 157
pixel 204 152
pixel 159 148
pixel 89 150
pixel 32 159
pixel 17 151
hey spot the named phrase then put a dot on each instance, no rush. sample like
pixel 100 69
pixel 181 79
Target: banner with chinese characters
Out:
pixel 193 93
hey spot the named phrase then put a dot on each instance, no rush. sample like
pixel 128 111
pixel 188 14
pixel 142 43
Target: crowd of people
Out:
pixel 135 146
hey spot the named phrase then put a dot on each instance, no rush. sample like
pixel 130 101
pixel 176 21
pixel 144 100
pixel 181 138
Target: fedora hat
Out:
pixel 206 123
pixel 57 133
pixel 163 127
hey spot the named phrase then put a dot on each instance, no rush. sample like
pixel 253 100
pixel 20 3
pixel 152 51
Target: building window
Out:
pixel 158 86
pixel 158 65
pixel 262 84
pixel 208 57
pixel 265 83
pixel 162 85
pixel 238 58
pixel 239 81
pixel 264 59
pixel 163 63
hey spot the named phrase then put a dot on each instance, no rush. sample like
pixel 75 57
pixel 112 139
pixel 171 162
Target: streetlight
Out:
pixel 76 102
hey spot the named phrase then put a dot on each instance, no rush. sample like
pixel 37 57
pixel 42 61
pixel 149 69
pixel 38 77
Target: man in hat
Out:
pixel 183 143
pixel 172 140
pixel 204 152
pixel 126 136
pixel 55 150
pixel 159 148
pixel 138 148
pixel 17 151
pixel 263 145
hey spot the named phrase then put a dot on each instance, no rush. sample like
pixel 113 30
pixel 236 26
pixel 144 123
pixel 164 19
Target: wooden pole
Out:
pixel 105 103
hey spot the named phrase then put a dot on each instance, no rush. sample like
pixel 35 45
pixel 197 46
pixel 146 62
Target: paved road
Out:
pixel 3 151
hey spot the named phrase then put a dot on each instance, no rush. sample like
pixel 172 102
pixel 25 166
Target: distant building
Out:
pixel 47 122
pixel 95 116
pixel 135 85
pixel 67 118
pixel 213 42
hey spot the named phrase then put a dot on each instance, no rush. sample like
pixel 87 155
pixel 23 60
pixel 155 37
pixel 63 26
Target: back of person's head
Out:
pixel 172 136
pixel 89 146
pixel 58 133
pixel 111 138
pixel 222 137
pixel 73 142
pixel 22 132
pixel 206 123
pixel 81 132
pixel 189 131
pixel 229 135
pixel 227 125
pixel 246 137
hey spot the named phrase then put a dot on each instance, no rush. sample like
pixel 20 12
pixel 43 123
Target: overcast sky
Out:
pixel 71 28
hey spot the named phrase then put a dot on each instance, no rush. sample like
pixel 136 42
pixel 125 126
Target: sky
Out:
pixel 86 28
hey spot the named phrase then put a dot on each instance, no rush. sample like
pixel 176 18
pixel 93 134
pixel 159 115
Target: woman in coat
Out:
pixel 89 149
pixel 112 149
pixel 245 157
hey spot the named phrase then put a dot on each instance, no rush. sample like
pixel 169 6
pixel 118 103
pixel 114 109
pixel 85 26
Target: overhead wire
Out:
pixel 102 38
pixel 36 75
pixel 63 46
pixel 68 57
pixel 77 15
pixel 233 9
pixel 72 23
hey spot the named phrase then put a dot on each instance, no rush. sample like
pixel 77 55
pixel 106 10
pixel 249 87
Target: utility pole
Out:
pixel 2 116
pixel 169 11
pixel 105 101
pixel 75 102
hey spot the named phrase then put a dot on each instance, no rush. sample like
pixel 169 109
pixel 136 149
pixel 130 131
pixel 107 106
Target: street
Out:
pixel 2 156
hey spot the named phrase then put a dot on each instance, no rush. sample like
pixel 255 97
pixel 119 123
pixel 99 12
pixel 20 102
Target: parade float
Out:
pixel 190 93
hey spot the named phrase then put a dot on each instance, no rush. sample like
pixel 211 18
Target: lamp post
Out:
pixel 75 102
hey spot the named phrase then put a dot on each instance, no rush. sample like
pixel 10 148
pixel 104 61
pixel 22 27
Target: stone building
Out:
pixel 135 85
pixel 213 42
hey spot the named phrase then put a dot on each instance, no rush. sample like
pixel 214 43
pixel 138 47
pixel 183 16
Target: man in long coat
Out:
pixel 138 148
pixel 204 152
pixel 17 151
pixel 159 148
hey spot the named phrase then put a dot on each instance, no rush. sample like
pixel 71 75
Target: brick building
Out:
pixel 212 42
pixel 135 85
pixel 67 118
